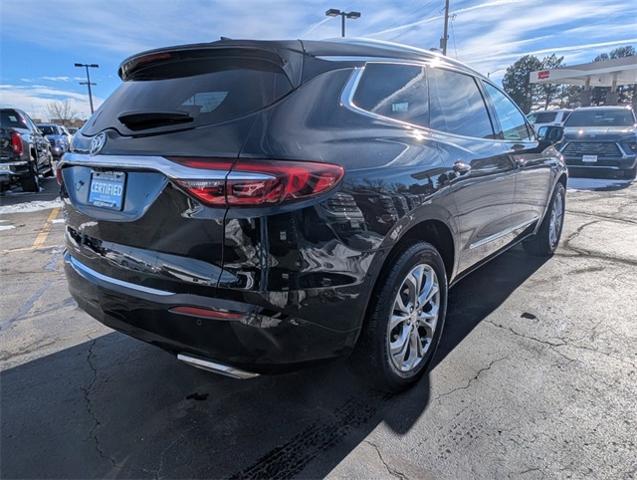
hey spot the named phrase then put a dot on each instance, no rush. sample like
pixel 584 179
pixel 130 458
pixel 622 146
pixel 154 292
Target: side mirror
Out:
pixel 550 135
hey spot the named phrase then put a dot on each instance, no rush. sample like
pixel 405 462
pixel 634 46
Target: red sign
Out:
pixel 543 75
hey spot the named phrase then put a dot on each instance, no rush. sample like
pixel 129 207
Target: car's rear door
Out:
pixel 484 177
pixel 533 178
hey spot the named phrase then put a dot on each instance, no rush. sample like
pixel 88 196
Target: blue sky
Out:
pixel 41 40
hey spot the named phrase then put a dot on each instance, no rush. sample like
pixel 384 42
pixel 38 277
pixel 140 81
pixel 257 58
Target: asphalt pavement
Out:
pixel 536 376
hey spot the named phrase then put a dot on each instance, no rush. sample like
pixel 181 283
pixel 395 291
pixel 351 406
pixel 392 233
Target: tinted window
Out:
pixel 620 117
pixel 542 117
pixel 394 91
pixel 512 122
pixel 11 118
pixel 200 92
pixel 48 129
pixel 457 105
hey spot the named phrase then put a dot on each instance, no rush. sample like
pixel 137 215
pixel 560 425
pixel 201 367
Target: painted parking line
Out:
pixel 46 228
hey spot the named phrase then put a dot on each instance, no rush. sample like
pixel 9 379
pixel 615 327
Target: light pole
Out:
pixel 88 80
pixel 335 12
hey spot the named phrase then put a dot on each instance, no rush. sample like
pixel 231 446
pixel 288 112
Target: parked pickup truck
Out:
pixel 24 152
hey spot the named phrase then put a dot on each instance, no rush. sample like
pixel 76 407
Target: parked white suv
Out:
pixel 543 118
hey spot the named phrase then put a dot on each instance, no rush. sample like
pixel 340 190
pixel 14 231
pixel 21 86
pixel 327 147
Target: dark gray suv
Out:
pixel 253 207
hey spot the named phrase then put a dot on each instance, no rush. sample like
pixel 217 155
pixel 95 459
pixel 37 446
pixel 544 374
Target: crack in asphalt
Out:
pixel 473 379
pixel 560 343
pixel 604 217
pixel 89 406
pixel 391 470
pixel 32 347
pixel 581 252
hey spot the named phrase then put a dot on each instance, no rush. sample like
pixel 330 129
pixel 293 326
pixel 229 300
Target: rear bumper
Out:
pixel 254 342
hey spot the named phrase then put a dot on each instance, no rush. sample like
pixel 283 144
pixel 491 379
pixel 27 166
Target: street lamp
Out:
pixel 88 80
pixel 335 12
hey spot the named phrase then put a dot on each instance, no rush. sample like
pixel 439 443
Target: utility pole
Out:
pixel 445 35
pixel 88 81
pixel 335 12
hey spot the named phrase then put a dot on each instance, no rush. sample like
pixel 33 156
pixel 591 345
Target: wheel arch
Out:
pixel 433 231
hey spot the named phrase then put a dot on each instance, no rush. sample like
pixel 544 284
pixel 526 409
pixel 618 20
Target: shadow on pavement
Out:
pixel 49 191
pixel 115 407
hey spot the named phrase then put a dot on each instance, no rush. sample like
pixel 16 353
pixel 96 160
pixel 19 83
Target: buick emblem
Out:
pixel 97 143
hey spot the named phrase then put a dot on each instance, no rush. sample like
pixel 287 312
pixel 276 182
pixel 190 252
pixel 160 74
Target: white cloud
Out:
pixel 57 79
pixel 34 99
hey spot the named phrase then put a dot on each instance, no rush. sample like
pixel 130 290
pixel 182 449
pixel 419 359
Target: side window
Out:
pixel 511 119
pixel 457 105
pixel 394 91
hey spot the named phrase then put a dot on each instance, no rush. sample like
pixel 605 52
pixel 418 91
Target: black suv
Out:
pixel 25 152
pixel 257 206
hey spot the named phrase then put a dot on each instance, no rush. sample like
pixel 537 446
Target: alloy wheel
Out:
pixel 556 219
pixel 414 318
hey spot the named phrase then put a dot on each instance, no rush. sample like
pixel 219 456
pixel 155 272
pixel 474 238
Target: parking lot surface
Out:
pixel 536 376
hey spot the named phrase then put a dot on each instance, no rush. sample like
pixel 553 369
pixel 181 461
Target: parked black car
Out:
pixel 24 151
pixel 58 137
pixel 601 140
pixel 257 206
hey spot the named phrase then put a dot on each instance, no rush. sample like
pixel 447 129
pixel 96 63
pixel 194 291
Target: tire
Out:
pixel 31 183
pixel 49 172
pixel 372 357
pixel 545 241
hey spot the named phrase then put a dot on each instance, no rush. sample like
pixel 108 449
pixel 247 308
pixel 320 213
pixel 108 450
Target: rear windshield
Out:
pixel 48 130
pixel 191 93
pixel 11 118
pixel 543 117
pixel 601 118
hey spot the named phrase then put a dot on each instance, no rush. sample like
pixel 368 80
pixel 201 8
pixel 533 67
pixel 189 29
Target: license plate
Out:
pixel 107 189
pixel 589 158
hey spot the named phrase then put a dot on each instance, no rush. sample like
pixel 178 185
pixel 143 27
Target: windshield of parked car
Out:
pixel 48 129
pixel 620 117
pixel 542 117
pixel 11 118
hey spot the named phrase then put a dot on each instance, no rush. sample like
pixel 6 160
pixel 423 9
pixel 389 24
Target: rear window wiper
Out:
pixel 146 120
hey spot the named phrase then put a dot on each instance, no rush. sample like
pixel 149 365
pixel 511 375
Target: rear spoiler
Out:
pixel 286 54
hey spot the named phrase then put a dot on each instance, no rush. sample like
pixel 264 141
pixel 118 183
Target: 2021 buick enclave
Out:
pixel 255 206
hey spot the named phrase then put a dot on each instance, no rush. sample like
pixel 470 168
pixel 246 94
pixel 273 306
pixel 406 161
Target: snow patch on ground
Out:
pixel 33 206
pixel 582 184
pixel 58 220
pixel 6 227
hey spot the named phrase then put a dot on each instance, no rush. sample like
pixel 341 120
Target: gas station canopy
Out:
pixel 606 73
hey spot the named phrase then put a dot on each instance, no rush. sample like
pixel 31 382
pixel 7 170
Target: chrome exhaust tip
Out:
pixel 215 367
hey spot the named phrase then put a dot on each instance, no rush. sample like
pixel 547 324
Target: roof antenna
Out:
pixel 225 38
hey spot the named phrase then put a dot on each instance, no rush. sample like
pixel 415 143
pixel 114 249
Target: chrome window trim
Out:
pixel 88 272
pixel 172 170
pixel 503 233
pixel 347 100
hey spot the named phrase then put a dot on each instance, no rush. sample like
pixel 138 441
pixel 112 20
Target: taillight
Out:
pixel 253 183
pixel 16 143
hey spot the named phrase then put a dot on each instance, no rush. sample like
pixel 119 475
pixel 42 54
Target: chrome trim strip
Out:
pixel 503 233
pixel 14 164
pixel 172 170
pixel 215 367
pixel 88 272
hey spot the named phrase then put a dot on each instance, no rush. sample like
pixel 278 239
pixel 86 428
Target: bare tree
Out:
pixel 62 112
